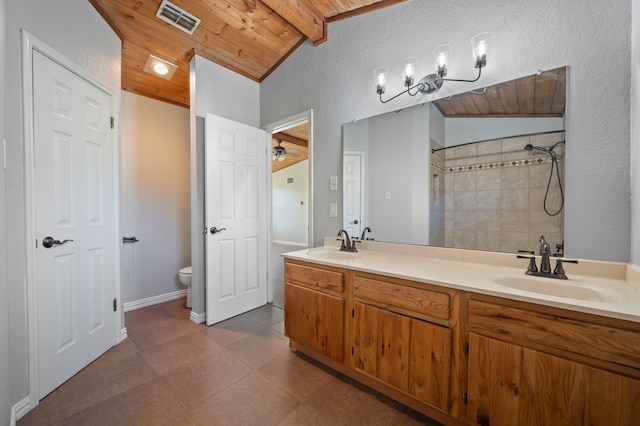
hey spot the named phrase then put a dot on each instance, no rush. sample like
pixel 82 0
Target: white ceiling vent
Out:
pixel 177 17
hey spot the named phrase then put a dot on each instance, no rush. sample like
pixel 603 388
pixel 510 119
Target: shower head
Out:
pixel 530 147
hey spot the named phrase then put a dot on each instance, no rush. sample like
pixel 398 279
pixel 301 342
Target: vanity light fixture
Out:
pixel 159 67
pixel 432 82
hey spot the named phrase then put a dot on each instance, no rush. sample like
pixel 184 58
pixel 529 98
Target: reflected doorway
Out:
pixel 290 196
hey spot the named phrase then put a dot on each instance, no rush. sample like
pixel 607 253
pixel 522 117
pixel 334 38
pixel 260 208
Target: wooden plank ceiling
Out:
pixel 250 37
pixel 541 95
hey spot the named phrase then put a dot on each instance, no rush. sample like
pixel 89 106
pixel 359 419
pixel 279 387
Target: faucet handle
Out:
pixel 532 268
pixel 527 251
pixel 559 270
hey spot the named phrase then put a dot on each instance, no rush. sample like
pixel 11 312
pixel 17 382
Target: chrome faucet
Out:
pixel 347 243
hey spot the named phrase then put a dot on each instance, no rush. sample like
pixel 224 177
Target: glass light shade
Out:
pixel 480 47
pixel 441 57
pixel 409 70
pixel 381 79
pixel 281 158
pixel 161 68
pixel 273 157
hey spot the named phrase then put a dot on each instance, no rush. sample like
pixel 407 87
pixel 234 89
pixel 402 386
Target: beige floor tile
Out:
pixel 97 383
pixel 252 400
pixel 148 404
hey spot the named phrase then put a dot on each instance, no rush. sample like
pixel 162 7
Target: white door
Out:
pixel 352 194
pixel 74 187
pixel 236 218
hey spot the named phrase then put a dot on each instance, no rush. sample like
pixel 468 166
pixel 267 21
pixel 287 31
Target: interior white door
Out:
pixel 352 194
pixel 236 218
pixel 74 222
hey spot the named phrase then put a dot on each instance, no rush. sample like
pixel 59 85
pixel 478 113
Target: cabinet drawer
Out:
pixel 322 278
pixel 419 300
pixel 579 337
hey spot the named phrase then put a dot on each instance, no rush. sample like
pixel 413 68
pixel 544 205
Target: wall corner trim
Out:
pixel 19 410
pixel 198 318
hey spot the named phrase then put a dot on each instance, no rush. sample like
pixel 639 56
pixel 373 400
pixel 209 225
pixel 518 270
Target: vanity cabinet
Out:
pixel 535 365
pixel 402 336
pixel 315 307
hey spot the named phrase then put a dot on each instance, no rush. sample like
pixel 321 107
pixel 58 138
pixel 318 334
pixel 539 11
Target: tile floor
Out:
pixel 170 371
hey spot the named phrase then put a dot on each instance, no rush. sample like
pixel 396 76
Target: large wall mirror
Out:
pixel 480 170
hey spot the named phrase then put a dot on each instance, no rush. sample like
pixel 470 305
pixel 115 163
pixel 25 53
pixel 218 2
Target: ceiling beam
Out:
pixel 291 139
pixel 304 16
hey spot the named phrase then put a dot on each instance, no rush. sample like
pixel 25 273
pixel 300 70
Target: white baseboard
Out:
pixel 198 318
pixel 123 334
pixel 19 410
pixel 137 304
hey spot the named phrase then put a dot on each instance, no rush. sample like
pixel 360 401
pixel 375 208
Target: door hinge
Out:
pixel 466 348
pixel 113 122
pixel 115 304
pixel 465 398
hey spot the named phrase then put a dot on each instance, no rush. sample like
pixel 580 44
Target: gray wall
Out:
pixel 336 80
pixel 154 196
pixel 77 31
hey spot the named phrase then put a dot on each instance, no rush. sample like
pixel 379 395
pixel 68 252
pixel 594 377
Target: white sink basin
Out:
pixel 566 289
pixel 332 254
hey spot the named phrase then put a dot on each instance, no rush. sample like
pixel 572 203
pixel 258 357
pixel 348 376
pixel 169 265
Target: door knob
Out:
pixel 215 230
pixel 355 222
pixel 49 242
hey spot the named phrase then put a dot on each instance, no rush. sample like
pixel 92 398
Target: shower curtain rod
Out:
pixel 494 139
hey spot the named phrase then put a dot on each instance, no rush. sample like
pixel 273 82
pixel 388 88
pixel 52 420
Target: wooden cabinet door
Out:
pixel 382 344
pixel 511 385
pixel 407 353
pixel 315 319
pixel 430 363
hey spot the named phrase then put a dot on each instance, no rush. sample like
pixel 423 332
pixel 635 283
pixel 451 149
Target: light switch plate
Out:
pixel 333 183
pixel 333 210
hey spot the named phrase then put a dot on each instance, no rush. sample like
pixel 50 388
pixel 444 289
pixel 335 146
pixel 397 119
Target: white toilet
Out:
pixel 185 279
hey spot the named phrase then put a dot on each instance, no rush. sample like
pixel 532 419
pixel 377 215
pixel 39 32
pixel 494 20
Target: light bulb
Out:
pixel 441 57
pixel 160 68
pixel 381 79
pixel 480 46
pixel 409 70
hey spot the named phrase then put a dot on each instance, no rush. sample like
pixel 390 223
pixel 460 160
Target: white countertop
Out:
pixel 617 284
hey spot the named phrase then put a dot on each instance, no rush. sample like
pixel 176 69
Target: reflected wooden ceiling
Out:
pixel 294 141
pixel 250 37
pixel 541 95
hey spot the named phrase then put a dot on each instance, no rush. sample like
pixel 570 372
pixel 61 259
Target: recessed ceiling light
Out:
pixel 159 67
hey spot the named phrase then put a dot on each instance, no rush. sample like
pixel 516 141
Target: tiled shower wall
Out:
pixel 494 193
